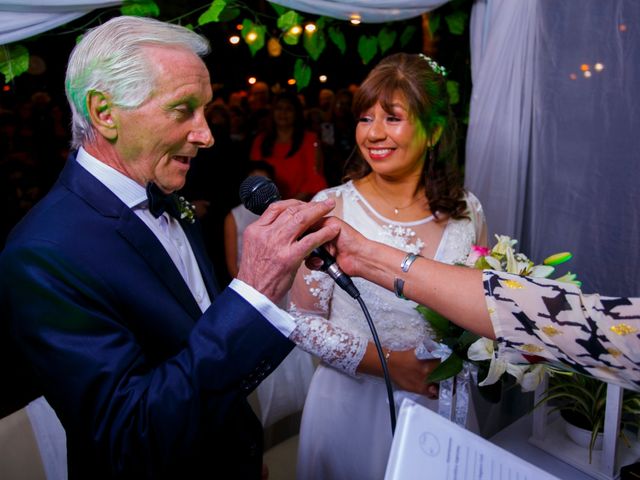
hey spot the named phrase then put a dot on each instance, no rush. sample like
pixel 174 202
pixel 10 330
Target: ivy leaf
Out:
pixel 288 20
pixel 140 8
pixel 291 38
pixel 302 74
pixel 434 23
pixel 367 48
pixel 386 39
pixel 228 14
pixel 457 22
pixel 314 43
pixel 213 12
pixel 337 37
pixel 453 89
pixel 14 61
pixel 406 35
pixel 278 8
pixel 447 369
pixel 249 27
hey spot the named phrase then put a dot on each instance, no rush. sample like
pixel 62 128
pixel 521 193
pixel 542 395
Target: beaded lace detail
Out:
pixel 331 324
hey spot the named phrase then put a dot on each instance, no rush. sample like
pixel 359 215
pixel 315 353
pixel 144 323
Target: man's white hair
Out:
pixel 111 59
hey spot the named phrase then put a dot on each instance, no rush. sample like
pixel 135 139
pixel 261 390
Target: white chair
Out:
pixel 33 444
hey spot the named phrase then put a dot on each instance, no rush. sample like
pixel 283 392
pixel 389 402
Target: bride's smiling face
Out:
pixel 393 143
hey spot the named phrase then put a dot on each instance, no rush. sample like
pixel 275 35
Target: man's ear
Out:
pixel 102 115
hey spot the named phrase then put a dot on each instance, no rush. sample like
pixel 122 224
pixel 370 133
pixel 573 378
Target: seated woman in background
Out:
pixel 293 152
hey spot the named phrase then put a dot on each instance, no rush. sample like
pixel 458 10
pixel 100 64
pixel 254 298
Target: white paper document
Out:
pixel 428 446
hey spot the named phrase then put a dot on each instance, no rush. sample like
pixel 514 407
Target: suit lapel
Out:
pixel 129 226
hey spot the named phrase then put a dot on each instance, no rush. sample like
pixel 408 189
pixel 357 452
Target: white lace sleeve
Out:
pixel 310 306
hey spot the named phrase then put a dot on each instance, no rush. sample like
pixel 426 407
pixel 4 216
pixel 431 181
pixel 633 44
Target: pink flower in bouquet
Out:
pixel 476 252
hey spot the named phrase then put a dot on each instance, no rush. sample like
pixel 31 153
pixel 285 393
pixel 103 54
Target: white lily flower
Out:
pixel 494 263
pixel 481 349
pixel 512 264
pixel 541 271
pixel 496 369
pixel 532 378
pixel 504 243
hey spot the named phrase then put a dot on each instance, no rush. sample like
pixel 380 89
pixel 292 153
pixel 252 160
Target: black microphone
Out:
pixel 257 193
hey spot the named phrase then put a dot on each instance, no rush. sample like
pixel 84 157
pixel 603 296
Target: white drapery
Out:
pixel 503 34
pixel 368 11
pixel 20 19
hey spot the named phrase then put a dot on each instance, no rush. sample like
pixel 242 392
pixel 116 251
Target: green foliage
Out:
pixel 301 74
pixel 453 89
pixel 367 48
pixel 14 61
pixel 288 20
pixel 454 337
pixel 249 28
pixel 337 37
pixel 457 21
pixel 582 401
pixel 386 39
pixel 406 35
pixel 314 43
pixel 140 8
pixel 213 12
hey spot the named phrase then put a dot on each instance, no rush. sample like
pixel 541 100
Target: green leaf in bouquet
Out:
pixel 466 339
pixel 439 324
pixel 447 369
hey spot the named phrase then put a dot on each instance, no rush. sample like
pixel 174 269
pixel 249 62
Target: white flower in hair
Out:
pixel 440 70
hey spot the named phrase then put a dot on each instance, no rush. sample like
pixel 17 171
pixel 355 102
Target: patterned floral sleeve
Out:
pixel 590 333
pixel 310 304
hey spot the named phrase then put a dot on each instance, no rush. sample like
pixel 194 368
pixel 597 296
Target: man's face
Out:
pixel 157 140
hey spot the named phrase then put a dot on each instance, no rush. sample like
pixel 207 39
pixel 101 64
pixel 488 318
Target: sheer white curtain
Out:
pixel 583 188
pixel 21 19
pixel 503 34
pixel 369 11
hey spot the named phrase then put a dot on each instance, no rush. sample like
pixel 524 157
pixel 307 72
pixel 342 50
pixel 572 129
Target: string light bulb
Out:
pixel 355 19
pixel 310 27
pixel 234 39
pixel 252 37
pixel 296 30
pixel 291 81
pixel 252 80
pixel 322 78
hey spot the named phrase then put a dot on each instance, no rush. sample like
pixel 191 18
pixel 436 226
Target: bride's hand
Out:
pixel 409 373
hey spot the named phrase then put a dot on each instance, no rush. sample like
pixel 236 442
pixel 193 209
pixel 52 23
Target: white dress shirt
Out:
pixel 172 237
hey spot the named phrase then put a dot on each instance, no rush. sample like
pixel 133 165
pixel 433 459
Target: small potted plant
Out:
pixel 581 401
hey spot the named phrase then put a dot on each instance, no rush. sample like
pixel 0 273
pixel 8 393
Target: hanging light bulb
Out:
pixel 234 39
pixel 355 19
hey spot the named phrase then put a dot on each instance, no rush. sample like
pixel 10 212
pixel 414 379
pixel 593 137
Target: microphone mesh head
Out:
pixel 257 193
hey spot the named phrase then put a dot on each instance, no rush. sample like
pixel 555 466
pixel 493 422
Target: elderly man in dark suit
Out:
pixel 107 288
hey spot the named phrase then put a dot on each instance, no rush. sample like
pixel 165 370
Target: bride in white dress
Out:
pixel 401 192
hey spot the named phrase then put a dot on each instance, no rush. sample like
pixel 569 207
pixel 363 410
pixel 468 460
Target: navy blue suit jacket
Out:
pixel 145 385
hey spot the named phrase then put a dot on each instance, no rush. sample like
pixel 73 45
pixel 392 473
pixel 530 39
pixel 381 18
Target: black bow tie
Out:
pixel 160 202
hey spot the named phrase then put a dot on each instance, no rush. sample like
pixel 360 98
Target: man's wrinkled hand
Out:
pixel 275 245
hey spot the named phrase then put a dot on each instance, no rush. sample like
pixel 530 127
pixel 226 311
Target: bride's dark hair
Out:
pixel 425 92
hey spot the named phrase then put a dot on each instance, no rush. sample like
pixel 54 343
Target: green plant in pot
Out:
pixel 581 401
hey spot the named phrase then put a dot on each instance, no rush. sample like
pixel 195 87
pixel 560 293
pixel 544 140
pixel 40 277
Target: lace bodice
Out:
pixel 332 325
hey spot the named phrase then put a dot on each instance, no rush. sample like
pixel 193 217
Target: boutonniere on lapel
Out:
pixel 175 205
pixel 186 208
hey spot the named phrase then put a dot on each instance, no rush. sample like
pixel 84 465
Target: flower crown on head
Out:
pixel 440 70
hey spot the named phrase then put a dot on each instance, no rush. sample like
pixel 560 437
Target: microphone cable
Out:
pixel 257 193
